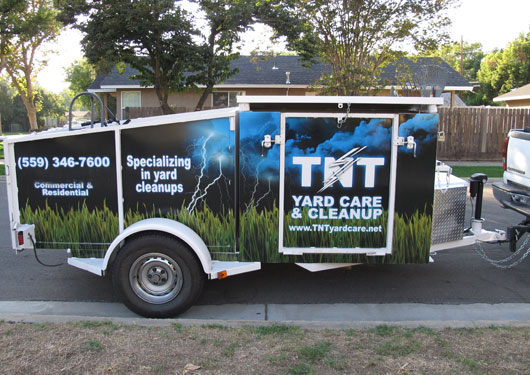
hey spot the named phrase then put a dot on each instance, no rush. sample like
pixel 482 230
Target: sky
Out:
pixel 493 23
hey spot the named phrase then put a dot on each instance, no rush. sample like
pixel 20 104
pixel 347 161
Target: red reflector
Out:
pixel 222 275
pixel 505 152
pixel 21 238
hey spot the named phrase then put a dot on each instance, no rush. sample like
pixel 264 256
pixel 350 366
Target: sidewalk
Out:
pixel 336 316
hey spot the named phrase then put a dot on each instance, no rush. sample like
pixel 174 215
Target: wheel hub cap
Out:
pixel 155 278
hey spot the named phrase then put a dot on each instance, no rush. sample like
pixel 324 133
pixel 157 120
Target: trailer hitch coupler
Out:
pixel 476 189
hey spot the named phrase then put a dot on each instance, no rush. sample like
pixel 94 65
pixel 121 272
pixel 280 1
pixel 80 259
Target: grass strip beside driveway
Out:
pixel 464 171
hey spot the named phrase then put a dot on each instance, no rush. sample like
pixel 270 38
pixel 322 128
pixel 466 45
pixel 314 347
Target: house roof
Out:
pixel 272 72
pixel 518 94
pixel 425 71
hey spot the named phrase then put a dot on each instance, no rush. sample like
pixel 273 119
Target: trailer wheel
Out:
pixel 157 276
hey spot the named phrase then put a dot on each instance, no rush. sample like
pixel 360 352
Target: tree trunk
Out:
pixel 32 116
pixel 31 111
pixel 207 91
pixel 209 73
pixel 162 94
pixel 26 94
pixel 166 109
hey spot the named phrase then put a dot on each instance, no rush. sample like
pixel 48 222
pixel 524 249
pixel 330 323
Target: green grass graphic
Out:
pixel 259 235
pixel 88 232
pixel 216 230
pixel 259 239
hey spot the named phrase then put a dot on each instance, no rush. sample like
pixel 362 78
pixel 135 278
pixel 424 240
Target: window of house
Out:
pixel 130 99
pixel 222 99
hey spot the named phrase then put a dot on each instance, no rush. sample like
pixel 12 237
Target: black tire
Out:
pixel 157 276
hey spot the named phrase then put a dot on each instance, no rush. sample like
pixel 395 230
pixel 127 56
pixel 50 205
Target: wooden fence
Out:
pixel 477 133
pixel 137 112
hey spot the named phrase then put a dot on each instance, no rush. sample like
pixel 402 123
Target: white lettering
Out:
pixel 307 163
pixel 369 171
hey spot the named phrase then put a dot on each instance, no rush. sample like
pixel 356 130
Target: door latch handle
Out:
pixel 267 142
pixel 409 142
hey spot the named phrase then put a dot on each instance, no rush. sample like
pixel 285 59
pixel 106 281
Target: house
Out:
pixel 280 75
pixel 516 98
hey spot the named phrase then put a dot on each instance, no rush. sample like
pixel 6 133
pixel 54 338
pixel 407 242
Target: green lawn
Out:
pixel 2 169
pixel 466 171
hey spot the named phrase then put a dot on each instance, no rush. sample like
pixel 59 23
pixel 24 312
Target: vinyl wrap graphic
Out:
pixel 336 182
pixel 259 188
pixel 67 188
pixel 184 172
pixel 335 177
pixel 307 137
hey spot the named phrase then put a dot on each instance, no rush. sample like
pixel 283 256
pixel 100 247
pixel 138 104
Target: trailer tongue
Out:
pixel 161 202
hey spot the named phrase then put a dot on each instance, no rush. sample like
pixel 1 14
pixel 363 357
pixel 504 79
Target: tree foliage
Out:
pixel 464 58
pixel 357 37
pixel 153 36
pixel 162 41
pixel 505 70
pixel 465 55
pixel 52 106
pixel 13 113
pixel 6 103
pixel 25 25
pixel 80 74
pixel 226 20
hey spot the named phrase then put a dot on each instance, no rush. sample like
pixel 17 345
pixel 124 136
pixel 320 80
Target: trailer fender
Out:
pixel 171 227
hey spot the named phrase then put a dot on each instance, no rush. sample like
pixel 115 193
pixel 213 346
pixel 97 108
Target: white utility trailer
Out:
pixel 163 203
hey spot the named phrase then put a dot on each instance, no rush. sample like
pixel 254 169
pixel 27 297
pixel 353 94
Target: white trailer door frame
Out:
pixel 344 162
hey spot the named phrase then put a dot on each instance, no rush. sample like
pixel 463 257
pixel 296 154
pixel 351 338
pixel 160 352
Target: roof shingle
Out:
pixel 272 71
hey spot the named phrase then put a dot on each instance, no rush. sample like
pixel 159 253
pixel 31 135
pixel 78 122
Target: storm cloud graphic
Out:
pixel 318 137
pixel 423 127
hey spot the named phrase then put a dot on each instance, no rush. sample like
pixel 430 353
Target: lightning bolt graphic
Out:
pixel 344 163
pixel 264 195
pixel 194 198
pixel 255 188
pixel 193 204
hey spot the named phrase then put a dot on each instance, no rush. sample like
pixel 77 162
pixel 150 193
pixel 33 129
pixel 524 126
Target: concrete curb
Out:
pixel 331 316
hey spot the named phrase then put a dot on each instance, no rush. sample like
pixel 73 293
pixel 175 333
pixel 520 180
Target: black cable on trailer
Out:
pixel 468 229
pixel 37 257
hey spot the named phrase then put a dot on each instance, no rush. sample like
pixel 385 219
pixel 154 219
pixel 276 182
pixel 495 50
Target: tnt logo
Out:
pixel 340 169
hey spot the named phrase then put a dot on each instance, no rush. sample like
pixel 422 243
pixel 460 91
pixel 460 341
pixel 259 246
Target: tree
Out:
pixel 357 37
pixel 463 57
pixel 160 40
pixel 25 25
pixel 467 56
pixel 6 104
pixel 226 20
pixel 80 74
pixel 52 106
pixel 505 70
pixel 153 36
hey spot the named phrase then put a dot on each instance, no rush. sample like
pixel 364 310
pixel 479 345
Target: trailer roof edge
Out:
pixel 383 100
